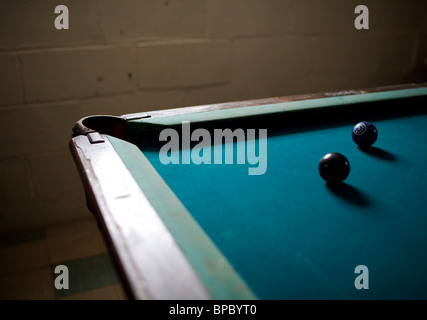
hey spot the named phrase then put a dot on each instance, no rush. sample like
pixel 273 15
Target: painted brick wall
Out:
pixel 138 55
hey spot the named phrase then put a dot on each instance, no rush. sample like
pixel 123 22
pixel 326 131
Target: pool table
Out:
pixel 225 201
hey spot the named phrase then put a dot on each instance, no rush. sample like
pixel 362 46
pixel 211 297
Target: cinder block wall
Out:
pixel 128 56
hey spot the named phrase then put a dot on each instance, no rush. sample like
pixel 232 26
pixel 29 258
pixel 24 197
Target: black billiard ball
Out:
pixel 334 167
pixel 364 134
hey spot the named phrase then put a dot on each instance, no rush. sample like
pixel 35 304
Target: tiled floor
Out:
pixel 28 262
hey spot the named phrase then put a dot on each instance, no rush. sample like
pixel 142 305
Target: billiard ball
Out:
pixel 334 167
pixel 364 134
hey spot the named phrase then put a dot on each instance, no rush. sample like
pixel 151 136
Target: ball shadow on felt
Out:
pixel 348 193
pixel 378 153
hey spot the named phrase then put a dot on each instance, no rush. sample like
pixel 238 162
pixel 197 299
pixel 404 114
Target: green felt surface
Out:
pixel 217 275
pixel 289 236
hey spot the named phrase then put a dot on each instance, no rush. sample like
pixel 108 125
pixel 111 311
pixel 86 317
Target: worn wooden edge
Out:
pixel 266 101
pixel 281 107
pixel 150 262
